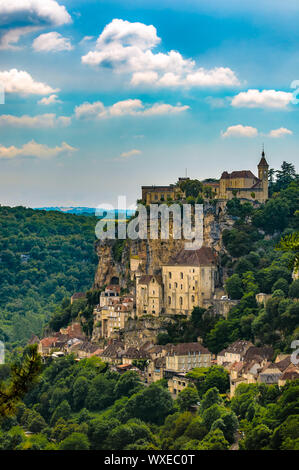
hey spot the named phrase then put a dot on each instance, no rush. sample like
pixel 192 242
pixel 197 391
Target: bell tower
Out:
pixel 263 168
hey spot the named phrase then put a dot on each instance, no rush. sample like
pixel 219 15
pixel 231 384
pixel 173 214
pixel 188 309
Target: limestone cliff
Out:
pixel 151 254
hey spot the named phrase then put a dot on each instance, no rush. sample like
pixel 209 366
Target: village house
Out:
pixel 155 370
pixel 133 354
pixel 185 356
pixel 177 383
pixel 234 353
pixel 113 353
pixel 112 313
pixel 110 293
pixel 78 296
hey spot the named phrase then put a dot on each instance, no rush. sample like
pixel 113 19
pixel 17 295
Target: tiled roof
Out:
pixel 290 375
pixel 238 347
pixel 145 279
pixel 78 295
pixel 202 257
pixel 49 341
pixel 238 174
pixel 282 365
pixel 134 353
pixel 113 350
pixel 255 353
pixel 182 349
pixel 263 161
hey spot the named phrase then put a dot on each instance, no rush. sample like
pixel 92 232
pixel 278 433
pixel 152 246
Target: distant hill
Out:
pixel 87 211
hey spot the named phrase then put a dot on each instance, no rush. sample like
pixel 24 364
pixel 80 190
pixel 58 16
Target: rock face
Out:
pixel 153 253
pixel 138 332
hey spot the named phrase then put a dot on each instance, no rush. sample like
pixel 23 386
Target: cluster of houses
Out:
pixel 112 312
pixel 247 363
pixel 244 362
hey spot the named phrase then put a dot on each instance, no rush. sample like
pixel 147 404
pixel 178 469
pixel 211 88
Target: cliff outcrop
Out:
pixel 115 256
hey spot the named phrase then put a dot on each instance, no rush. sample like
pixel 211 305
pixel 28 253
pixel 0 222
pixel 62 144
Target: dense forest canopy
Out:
pixel 44 258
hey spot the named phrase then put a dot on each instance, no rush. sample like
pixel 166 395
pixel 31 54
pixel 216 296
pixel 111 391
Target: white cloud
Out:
pixel 240 131
pixel 262 99
pixel 130 153
pixel 281 132
pixel 19 81
pixel 51 42
pixel 85 39
pixel 130 107
pixel 19 17
pixel 40 121
pixel 52 99
pixel 33 149
pixel 11 37
pixel 127 48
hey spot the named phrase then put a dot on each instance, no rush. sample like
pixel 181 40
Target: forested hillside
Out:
pixel 83 405
pixel 44 257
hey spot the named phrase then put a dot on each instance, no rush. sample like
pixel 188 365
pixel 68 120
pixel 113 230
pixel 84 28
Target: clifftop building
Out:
pixel 244 184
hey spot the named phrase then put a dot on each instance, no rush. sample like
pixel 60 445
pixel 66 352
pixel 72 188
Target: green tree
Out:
pixel 187 398
pixel 76 441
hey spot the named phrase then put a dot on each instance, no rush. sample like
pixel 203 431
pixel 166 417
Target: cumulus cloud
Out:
pixel 130 107
pixel 19 17
pixel 51 42
pixel 240 131
pixel 40 121
pixel 262 99
pixel 127 48
pixel 19 81
pixel 52 99
pixel 281 132
pixel 33 149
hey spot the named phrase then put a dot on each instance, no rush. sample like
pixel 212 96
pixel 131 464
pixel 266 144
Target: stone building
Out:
pixel 156 194
pixel 244 184
pixel 148 295
pixel 189 280
pixel 185 356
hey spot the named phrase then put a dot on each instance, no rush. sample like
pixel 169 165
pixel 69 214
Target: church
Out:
pixel 244 184
pixel 241 184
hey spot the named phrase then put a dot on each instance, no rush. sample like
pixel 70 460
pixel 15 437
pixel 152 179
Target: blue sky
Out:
pixel 102 97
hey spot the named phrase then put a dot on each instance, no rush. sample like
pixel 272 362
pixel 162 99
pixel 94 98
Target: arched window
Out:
pixel 192 299
pixel 182 276
pixel 181 301
pixel 169 300
pixel 169 274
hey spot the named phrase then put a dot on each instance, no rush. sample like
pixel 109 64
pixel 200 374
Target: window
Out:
pixel 175 284
pixel 181 301
pixel 169 300
pixel 182 276
pixel 192 299
pixel 169 275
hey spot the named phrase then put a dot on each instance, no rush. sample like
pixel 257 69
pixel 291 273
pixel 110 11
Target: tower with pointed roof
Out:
pixel 263 169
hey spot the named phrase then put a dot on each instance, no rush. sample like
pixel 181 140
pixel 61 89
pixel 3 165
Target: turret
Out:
pixel 263 168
